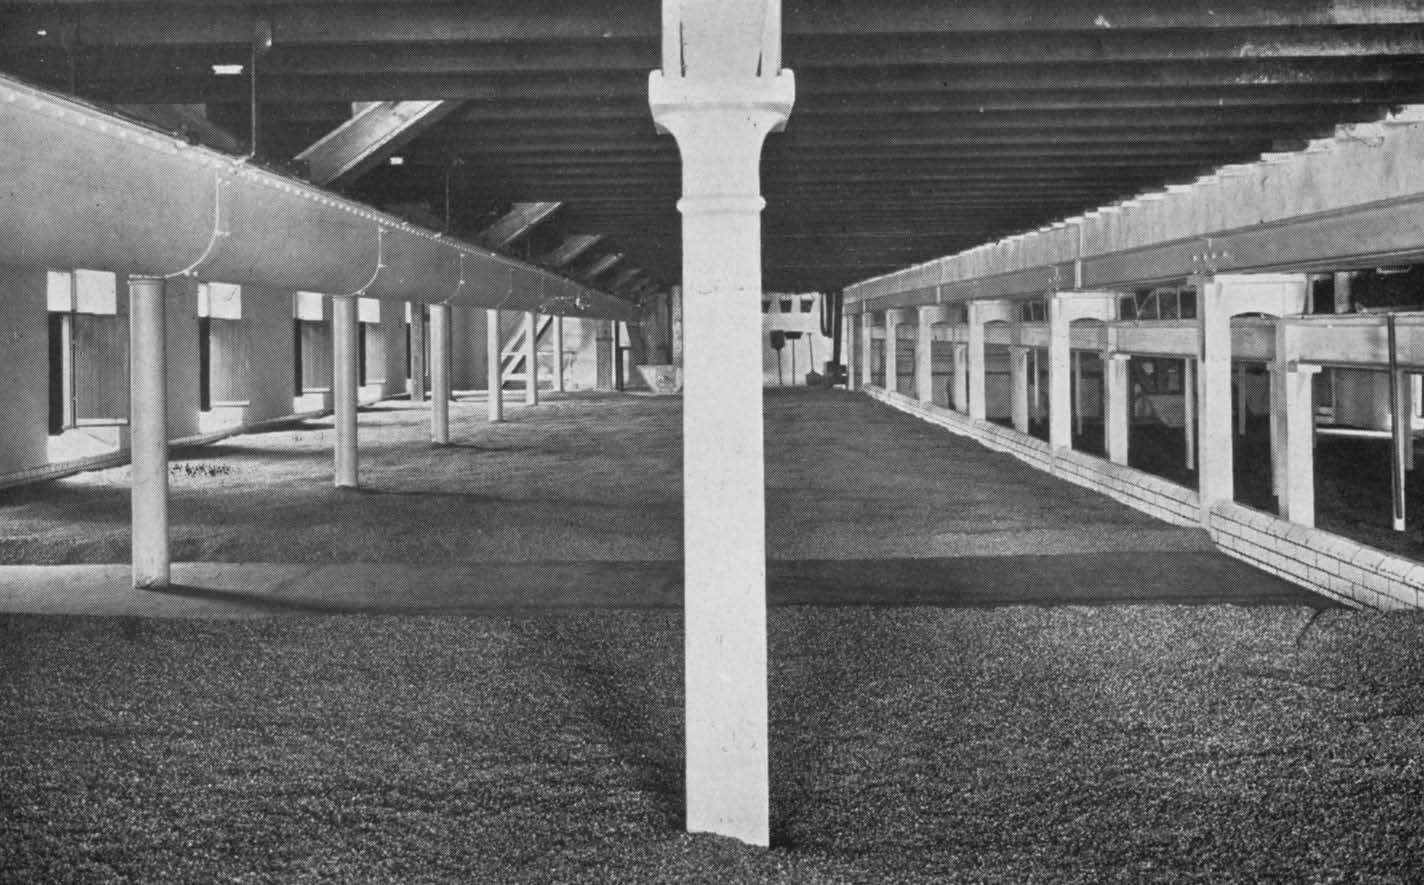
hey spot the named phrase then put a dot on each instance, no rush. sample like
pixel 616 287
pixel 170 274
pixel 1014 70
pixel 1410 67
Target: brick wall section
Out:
pixel 1326 563
pixel 1329 564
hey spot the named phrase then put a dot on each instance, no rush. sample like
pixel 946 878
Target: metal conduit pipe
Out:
pixel 122 197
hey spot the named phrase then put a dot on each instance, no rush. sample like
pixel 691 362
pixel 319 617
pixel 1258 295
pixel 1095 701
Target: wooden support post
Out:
pixel 1060 383
pixel 924 357
pixel 978 391
pixel 892 351
pixel 1214 456
pixel 1189 412
pixel 1117 416
pixel 1018 387
pixel 960 401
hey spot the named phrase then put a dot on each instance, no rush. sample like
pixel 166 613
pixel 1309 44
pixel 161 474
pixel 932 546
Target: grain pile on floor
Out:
pixel 913 744
pixel 585 477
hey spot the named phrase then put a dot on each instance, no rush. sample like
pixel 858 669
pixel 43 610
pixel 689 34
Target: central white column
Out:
pixel 494 364
pixel 148 431
pixel 344 385
pixel 531 358
pixel 1189 412
pixel 719 93
pixel 440 373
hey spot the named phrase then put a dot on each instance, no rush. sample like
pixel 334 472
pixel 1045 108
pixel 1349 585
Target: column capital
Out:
pixel 672 97
pixel 720 125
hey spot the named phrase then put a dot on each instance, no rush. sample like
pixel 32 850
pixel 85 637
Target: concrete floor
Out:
pixel 578 502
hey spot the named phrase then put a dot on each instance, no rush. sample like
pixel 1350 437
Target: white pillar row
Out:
pixel 1060 385
pixel 1018 386
pixel 558 331
pixel 1275 377
pixel 531 358
pixel 1189 412
pixel 440 373
pixel 924 350
pixel 720 91
pixel 1220 297
pixel 1063 309
pixel 494 365
pixel 1297 496
pixel 1117 417
pixel 867 363
pixel 924 356
pixel 960 391
pixel 892 350
pixel 416 386
pixel 976 393
pixel 148 431
pixel 344 386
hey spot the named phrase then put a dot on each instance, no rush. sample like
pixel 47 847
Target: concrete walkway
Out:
pixel 576 504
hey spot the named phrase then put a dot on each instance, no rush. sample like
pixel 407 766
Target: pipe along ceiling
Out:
pixel 124 197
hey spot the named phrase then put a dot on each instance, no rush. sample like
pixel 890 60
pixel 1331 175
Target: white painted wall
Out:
pixel 267 323
pixel 24 369
pixel 812 351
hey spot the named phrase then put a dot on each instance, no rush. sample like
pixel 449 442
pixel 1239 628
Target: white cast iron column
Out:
pixel 440 373
pixel 719 93
pixel 344 384
pixel 148 431
pixel 494 365
pixel 417 351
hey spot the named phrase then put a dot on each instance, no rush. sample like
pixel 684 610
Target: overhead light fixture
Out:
pixel 227 70
pixel 397 161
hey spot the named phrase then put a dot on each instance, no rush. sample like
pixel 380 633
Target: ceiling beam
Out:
pixel 506 21
pixel 601 265
pixel 368 138
pixel 572 247
pixel 517 222
pixel 1183 76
